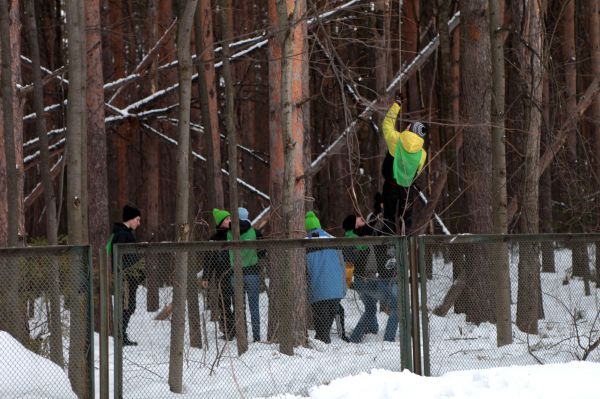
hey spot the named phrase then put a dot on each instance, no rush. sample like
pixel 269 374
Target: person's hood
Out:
pixel 118 227
pixel 411 142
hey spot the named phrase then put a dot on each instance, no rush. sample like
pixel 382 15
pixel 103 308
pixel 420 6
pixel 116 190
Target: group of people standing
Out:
pixel 374 281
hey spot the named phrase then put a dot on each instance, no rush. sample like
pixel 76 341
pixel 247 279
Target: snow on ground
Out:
pixel 216 371
pixel 31 376
pixel 575 380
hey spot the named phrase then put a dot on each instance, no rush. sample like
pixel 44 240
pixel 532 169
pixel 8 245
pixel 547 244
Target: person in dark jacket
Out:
pixel 373 282
pixel 124 233
pixel 218 272
pixel 402 163
pixel 250 269
pixel 326 280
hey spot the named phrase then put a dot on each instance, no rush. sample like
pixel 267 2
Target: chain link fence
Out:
pixel 550 296
pixel 46 331
pixel 341 301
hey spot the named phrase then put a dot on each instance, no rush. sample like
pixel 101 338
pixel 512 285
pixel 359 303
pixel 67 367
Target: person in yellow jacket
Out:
pixel 403 161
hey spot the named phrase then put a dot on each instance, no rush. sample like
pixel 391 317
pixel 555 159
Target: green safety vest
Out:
pixel 406 165
pixel 249 255
pixel 351 234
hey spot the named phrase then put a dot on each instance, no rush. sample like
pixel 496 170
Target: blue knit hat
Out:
pixel 243 213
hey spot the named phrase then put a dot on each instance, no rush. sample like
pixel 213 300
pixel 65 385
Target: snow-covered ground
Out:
pixel 216 371
pixel 575 380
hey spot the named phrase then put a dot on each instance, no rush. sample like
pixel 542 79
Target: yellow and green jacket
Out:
pixel 406 149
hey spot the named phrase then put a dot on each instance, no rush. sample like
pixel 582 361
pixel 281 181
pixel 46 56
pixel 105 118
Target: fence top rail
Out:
pixel 42 250
pixel 262 244
pixel 507 238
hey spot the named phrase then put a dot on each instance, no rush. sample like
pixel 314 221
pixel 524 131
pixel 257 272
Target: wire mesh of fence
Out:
pixel 336 299
pixel 46 332
pixel 545 284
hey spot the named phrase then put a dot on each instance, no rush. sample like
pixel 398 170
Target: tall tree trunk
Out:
pixel 8 127
pixel 548 261
pixel 475 109
pixel 56 345
pixel 230 125
pixel 184 29
pixel 11 317
pixel 567 31
pixel 151 175
pixel 530 67
pixel 594 32
pixel 499 201
pixel 97 189
pixel 277 166
pixel 75 131
pixel 208 103
pixel 292 38
pixel 410 35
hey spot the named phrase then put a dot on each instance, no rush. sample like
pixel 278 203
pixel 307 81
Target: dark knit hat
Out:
pixel 420 129
pixel 130 212
pixel 349 223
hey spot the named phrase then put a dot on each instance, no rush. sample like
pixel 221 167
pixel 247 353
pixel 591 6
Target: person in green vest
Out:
pixel 403 161
pixel 251 269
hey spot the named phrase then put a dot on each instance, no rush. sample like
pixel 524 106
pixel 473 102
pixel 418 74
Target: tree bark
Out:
pixel 567 32
pixel 11 317
pixel 208 104
pixel 75 131
pixel 230 125
pixel 475 110
pixel 98 217
pixel 531 86
pixel 499 200
pixel 56 345
pixel 593 10
pixel 184 28
pixel 292 38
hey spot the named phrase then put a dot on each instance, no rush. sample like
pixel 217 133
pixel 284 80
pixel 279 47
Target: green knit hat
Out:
pixel 220 215
pixel 312 222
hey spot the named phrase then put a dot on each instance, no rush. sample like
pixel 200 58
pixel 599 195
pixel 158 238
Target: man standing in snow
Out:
pixel 133 275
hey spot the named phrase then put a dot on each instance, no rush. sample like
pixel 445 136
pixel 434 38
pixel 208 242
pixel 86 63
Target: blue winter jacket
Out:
pixel 326 272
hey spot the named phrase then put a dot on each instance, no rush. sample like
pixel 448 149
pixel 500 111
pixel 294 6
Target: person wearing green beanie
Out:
pixel 218 272
pixel 220 215
pixel 311 222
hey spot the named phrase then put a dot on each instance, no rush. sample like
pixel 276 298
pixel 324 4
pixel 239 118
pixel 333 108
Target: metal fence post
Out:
pixel 414 302
pixel 104 297
pixel 402 305
pixel 117 323
pixel 90 321
pixel 424 312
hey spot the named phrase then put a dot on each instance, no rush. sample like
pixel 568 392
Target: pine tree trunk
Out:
pixel 151 172
pixel 208 103
pixel 75 132
pixel 530 66
pixel 230 125
pixel 97 189
pixel 276 163
pixel 11 317
pixel 499 200
pixel 293 36
pixel 475 109
pixel 184 29
pixel 56 344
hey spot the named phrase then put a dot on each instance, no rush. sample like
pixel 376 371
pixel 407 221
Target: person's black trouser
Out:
pixel 397 204
pixel 132 285
pixel 323 315
pixel 227 317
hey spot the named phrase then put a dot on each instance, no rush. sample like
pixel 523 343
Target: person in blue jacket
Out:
pixel 326 280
